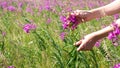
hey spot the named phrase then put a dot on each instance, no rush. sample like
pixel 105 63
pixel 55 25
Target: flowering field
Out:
pixel 32 36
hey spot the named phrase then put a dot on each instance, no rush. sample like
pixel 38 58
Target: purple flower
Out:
pixel 47 6
pixel 111 36
pixel 117 31
pixel 117 65
pixel 97 44
pixel 63 19
pixel 11 67
pixel 40 8
pixel 62 35
pixel 28 10
pixel 11 8
pixel 28 27
pixel 65 26
pixel 91 5
pixel 73 23
pixel 20 5
pixel 4 5
pixel 116 16
pixel 69 22
pixel 3 33
pixel 100 3
pixel 64 22
pixel 48 20
pixel 72 19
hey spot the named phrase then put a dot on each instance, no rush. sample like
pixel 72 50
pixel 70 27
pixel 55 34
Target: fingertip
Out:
pixel 78 49
pixel 78 43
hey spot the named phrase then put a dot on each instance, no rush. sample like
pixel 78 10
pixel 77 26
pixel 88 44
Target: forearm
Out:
pixel 109 9
pixel 112 8
pixel 105 31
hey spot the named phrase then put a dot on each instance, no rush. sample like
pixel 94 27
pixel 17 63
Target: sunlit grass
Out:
pixel 43 47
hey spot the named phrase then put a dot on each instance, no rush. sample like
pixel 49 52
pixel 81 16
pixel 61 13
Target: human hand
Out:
pixel 87 42
pixel 82 15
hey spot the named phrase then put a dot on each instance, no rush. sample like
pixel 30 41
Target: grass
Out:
pixel 43 48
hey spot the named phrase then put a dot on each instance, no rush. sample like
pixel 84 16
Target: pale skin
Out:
pixel 82 16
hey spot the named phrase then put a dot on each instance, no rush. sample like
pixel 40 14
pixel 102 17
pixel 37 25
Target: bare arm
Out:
pixel 105 31
pixel 109 9
pixel 88 42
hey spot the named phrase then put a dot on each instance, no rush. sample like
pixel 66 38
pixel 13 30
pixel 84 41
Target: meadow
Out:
pixel 31 35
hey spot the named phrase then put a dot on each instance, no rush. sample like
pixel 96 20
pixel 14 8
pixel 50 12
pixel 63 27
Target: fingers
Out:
pixel 77 12
pixel 78 43
pixel 81 47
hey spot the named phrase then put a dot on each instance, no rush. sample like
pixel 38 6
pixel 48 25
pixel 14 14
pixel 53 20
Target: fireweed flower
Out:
pixel 97 44
pixel 10 67
pixel 3 33
pixel 64 22
pixel 117 65
pixel 113 36
pixel 116 16
pixel 47 5
pixel 20 5
pixel 69 22
pixel 48 20
pixel 62 35
pixel 4 5
pixel 28 9
pixel 11 8
pixel 28 27
pixel 40 8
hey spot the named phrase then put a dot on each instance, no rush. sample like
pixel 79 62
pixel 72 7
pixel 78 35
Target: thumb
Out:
pixel 78 43
pixel 81 46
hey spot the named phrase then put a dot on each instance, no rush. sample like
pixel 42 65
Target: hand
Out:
pixel 87 42
pixel 82 15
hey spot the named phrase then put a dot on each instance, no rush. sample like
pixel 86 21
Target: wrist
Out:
pixel 97 13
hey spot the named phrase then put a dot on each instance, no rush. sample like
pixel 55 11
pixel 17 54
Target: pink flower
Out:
pixel 4 4
pixel 20 5
pixel 48 20
pixel 28 9
pixel 62 35
pixel 113 36
pixel 28 27
pixel 40 8
pixel 69 22
pixel 117 65
pixel 3 33
pixel 11 8
pixel 116 16
pixel 11 67
pixel 97 44
pixel 64 22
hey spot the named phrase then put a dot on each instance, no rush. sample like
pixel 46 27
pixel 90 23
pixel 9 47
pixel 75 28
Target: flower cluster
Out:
pixel 11 8
pixel 69 22
pixel 11 67
pixel 117 65
pixel 114 34
pixel 28 27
